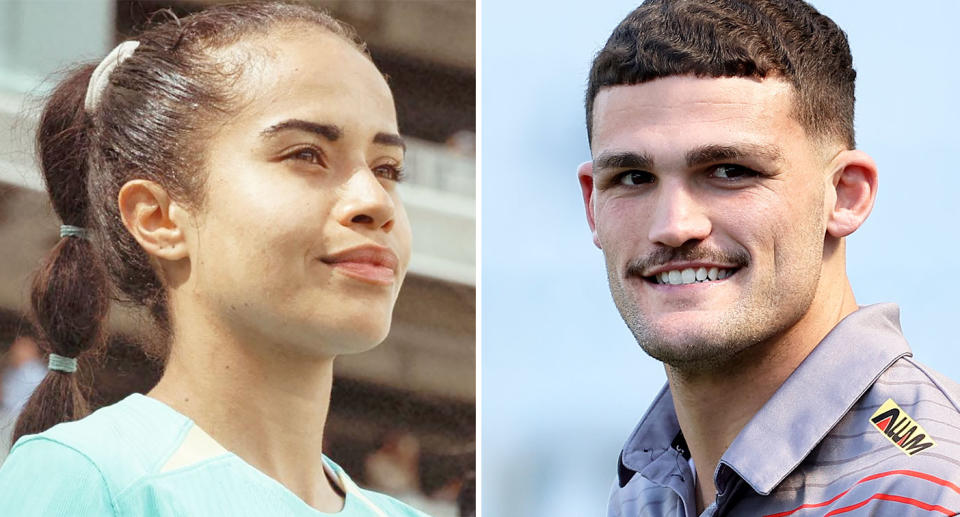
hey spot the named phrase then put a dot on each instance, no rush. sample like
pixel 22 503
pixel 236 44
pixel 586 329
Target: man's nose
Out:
pixel 678 217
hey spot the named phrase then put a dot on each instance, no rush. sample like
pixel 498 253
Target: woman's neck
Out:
pixel 260 401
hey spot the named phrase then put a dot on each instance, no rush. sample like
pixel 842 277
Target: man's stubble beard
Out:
pixel 764 312
pixel 717 346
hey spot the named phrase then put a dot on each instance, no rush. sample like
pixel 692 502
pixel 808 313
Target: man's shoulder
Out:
pixel 915 412
pixel 909 372
pixel 910 388
pixel 908 419
pixel 897 449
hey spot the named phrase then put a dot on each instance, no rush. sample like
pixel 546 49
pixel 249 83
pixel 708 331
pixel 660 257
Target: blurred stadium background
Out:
pixel 403 415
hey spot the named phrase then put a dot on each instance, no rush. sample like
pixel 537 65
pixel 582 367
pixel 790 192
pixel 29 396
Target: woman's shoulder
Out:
pixel 119 443
pixel 379 502
pixel 44 477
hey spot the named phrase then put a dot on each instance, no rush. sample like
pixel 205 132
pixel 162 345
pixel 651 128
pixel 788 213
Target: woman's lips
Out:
pixel 372 264
pixel 366 272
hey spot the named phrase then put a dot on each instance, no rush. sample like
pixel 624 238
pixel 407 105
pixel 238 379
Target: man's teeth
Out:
pixel 691 275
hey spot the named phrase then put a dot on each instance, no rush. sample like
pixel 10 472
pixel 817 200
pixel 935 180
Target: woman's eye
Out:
pixel 732 172
pixel 390 172
pixel 635 178
pixel 307 155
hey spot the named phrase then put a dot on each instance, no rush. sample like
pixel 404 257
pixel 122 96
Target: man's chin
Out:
pixel 689 325
pixel 691 345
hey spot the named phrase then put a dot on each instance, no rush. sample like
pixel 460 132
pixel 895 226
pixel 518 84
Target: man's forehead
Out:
pixel 686 112
pixel 676 88
pixel 668 95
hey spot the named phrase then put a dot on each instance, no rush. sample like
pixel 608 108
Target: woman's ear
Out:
pixel 155 221
pixel 854 180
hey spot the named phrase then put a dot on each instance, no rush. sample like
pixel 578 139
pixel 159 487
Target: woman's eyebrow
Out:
pixel 329 131
pixel 390 139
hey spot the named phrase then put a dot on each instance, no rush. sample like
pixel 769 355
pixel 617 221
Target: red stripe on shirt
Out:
pixel 896 499
pixel 911 473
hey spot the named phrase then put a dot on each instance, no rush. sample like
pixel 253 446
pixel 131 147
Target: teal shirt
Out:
pixel 115 463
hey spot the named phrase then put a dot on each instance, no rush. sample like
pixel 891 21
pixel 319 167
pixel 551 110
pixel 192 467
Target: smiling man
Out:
pixel 723 184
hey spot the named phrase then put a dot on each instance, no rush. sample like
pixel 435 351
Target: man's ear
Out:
pixel 854 180
pixel 154 220
pixel 585 174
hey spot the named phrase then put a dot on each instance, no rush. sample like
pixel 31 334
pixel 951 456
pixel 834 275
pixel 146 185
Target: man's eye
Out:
pixel 635 178
pixel 732 172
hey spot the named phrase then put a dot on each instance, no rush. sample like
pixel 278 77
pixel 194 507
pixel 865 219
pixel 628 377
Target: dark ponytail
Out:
pixel 69 299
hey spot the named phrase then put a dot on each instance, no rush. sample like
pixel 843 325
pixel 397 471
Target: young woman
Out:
pixel 234 172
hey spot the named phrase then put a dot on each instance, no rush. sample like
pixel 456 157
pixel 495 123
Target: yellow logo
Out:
pixel 900 429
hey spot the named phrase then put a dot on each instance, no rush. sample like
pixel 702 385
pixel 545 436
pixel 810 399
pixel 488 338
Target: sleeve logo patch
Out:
pixel 900 429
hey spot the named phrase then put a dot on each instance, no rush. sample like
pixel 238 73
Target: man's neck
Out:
pixel 713 407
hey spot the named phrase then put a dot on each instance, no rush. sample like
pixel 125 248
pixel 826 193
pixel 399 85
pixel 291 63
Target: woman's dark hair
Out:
pixel 788 39
pixel 154 111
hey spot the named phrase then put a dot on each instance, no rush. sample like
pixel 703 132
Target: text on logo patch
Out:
pixel 900 429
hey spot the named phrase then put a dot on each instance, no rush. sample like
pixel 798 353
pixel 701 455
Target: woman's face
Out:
pixel 302 240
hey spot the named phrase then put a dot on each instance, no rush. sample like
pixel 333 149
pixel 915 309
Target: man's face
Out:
pixel 707 199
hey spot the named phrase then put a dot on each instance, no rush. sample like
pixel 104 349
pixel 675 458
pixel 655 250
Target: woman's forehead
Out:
pixel 313 75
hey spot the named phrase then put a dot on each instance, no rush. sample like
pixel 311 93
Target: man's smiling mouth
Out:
pixel 691 275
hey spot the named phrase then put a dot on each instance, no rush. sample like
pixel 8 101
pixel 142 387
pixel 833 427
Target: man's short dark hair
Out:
pixel 787 39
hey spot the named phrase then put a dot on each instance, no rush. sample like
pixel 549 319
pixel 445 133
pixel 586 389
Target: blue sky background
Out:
pixel 563 380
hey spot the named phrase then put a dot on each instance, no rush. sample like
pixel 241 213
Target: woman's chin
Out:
pixel 359 343
pixel 362 337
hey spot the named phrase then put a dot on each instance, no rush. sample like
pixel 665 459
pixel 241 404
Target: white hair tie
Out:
pixel 98 81
pixel 62 363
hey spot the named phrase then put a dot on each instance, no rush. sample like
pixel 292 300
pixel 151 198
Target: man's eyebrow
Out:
pixel 720 153
pixel 623 160
pixel 329 131
pixel 390 139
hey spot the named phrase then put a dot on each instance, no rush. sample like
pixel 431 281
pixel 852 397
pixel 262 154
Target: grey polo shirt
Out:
pixel 859 428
